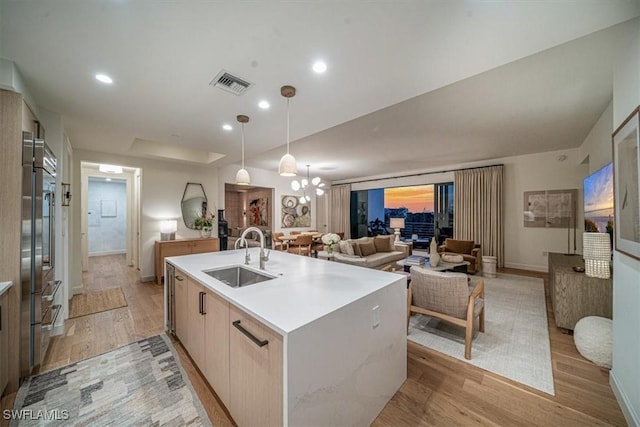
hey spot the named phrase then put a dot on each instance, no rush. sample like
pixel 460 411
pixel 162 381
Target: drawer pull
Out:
pixel 202 308
pixel 256 341
pixel 179 278
pixel 53 284
pixel 49 326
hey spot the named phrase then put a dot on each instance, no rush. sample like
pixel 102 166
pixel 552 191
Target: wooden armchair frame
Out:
pixel 477 292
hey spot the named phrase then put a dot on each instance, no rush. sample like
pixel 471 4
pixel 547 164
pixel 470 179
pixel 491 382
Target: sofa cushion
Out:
pixel 346 247
pixel 380 259
pixel 384 243
pixel 367 248
pixel 459 246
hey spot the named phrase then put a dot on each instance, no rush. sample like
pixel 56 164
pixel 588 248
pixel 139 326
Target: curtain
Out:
pixel 340 209
pixel 478 209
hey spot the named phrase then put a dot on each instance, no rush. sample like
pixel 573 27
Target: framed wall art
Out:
pixel 626 185
pixel 294 213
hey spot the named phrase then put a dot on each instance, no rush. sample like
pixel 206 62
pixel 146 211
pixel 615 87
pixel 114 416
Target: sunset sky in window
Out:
pixel 416 199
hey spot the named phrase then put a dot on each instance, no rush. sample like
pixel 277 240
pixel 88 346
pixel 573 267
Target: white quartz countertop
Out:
pixel 304 289
pixel 4 287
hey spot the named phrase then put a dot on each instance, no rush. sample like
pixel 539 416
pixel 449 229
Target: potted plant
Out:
pixel 329 240
pixel 204 223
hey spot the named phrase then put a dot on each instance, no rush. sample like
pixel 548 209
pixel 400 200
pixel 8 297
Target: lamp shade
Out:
pixel 287 166
pixel 396 222
pixel 242 177
pixel 169 226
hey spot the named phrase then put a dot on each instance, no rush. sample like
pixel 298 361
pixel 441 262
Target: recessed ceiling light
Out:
pixel 263 104
pixel 103 78
pixel 319 67
pixel 107 179
pixel 227 127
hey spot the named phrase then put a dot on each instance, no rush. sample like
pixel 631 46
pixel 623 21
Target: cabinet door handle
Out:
pixel 256 341
pixel 201 307
pixel 179 278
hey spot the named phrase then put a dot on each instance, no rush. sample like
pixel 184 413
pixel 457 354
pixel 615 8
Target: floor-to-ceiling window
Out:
pixel 427 211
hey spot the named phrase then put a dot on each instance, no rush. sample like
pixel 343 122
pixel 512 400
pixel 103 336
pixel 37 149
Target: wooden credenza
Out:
pixel 576 295
pixel 169 248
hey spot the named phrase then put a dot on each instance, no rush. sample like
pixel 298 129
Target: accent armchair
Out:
pixel 469 250
pixel 449 297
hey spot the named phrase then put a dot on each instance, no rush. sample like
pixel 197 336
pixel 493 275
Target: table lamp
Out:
pixel 396 224
pixel 168 229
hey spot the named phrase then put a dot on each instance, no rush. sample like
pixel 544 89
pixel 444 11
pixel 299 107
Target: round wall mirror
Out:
pixel 193 204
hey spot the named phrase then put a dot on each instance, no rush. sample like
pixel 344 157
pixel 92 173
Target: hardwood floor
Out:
pixel 439 391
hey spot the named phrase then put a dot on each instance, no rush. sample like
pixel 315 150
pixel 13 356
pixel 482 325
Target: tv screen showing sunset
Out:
pixel 598 200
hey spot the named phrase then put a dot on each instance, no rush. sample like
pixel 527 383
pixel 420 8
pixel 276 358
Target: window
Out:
pixel 426 209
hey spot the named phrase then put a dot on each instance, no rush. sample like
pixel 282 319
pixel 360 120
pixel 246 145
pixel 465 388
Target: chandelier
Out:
pixel 308 184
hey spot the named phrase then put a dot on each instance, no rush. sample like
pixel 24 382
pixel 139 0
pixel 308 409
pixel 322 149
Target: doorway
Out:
pixel 110 218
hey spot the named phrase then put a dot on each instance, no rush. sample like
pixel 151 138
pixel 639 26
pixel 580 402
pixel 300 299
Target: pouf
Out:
pixel 593 338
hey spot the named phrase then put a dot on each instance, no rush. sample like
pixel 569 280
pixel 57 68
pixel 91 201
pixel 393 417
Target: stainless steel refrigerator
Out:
pixel 37 274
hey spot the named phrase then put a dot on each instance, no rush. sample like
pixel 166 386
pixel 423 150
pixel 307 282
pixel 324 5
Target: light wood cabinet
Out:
pixel 169 248
pixel 216 339
pixel 196 311
pixel 255 371
pixel 4 342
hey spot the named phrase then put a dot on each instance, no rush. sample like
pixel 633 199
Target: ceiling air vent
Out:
pixel 227 81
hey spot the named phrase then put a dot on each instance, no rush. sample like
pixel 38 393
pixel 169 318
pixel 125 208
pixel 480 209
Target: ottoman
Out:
pixel 593 338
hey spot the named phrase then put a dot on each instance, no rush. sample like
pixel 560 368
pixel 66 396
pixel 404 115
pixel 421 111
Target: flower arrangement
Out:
pixel 204 221
pixel 329 240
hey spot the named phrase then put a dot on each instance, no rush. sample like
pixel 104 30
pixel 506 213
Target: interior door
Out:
pixel 84 221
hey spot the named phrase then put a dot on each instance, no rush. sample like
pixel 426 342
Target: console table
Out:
pixel 575 295
pixel 169 248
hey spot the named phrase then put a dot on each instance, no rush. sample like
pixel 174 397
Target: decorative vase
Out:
pixel 329 249
pixel 434 256
pixel 205 232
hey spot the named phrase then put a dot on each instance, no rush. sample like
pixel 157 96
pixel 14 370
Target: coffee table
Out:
pixel 458 267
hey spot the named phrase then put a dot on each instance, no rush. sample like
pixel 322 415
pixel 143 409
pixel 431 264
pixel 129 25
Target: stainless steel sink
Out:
pixel 238 276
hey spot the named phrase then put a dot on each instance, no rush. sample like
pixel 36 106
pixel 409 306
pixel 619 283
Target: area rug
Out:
pixel 515 343
pixel 142 383
pixel 96 302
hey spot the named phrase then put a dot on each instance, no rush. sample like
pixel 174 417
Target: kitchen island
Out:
pixel 319 343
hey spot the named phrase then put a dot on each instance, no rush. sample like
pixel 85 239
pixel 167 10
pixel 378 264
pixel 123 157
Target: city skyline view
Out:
pixel 416 198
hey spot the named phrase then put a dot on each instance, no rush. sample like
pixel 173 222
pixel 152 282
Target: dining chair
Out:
pixel 296 232
pixel 278 244
pixel 301 246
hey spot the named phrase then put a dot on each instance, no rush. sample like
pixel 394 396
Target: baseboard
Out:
pixel 102 253
pixel 148 278
pixel 628 411
pixel 530 267
pixel 77 290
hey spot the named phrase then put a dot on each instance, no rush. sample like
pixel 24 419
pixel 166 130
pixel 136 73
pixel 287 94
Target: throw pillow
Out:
pixel 346 248
pixel 367 248
pixel 452 258
pixel 384 243
pixel 356 248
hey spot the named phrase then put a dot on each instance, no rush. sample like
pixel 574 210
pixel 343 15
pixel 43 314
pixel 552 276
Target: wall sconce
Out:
pixel 168 229
pixel 66 194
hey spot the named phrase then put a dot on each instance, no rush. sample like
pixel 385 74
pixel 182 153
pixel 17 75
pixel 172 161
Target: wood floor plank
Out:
pixel 439 391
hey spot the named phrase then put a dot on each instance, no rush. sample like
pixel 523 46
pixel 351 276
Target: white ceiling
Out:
pixel 410 84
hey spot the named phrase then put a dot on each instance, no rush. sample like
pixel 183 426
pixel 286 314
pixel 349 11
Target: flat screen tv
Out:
pixel 598 200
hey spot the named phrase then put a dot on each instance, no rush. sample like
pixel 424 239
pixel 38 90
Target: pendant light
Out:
pixel 287 166
pixel 242 177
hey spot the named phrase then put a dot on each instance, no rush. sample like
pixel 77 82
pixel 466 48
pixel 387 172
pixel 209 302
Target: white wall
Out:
pixel 595 151
pixel 162 187
pixel 625 375
pixel 107 234
pixel 524 247
pixel 268 179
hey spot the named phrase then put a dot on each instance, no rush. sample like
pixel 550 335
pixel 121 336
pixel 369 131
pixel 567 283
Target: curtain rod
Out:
pixel 419 174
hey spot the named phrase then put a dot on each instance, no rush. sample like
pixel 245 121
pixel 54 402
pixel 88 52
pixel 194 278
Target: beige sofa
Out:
pixel 372 252
pixel 253 239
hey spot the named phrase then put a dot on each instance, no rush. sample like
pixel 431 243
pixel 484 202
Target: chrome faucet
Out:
pixel 263 257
